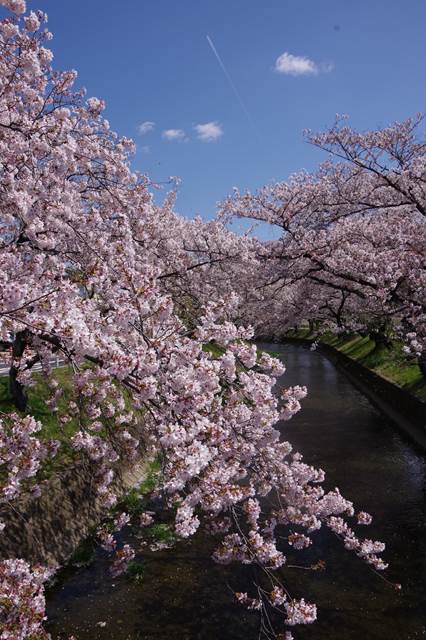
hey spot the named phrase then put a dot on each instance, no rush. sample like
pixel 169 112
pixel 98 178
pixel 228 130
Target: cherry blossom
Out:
pixel 351 256
pixel 131 297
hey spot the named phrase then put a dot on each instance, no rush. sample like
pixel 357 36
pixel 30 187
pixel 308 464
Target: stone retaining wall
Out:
pixel 49 528
pixel 401 407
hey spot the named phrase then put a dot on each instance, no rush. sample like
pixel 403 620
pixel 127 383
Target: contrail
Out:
pixel 232 85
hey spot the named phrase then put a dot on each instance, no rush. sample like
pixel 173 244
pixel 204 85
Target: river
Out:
pixel 185 596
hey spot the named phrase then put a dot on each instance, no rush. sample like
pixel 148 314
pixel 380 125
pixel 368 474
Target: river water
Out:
pixel 185 596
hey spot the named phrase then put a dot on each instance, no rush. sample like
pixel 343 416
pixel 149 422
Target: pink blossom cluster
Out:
pixel 22 603
pixel 21 453
pixel 121 560
pixel 300 612
pixel 366 549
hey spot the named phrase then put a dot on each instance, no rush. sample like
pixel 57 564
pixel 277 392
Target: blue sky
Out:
pixel 151 61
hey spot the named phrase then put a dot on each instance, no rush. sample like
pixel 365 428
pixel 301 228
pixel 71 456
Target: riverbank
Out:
pixel 49 528
pixel 362 454
pixel 390 380
pixel 387 361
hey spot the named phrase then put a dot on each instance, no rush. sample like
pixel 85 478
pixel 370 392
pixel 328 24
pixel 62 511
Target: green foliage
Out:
pixel 302 333
pixel 132 503
pixel 6 404
pixel 273 354
pixel 215 350
pixel 161 533
pixel 134 500
pixel 152 478
pixel 84 555
pixel 136 571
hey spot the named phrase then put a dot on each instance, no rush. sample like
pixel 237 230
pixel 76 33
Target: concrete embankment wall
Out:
pixel 49 528
pixel 406 411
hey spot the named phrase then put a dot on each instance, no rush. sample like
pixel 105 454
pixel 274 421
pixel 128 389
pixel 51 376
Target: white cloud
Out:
pixel 299 65
pixel 145 127
pixel 209 132
pixel 177 135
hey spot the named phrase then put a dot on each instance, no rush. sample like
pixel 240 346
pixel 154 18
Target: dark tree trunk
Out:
pixel 17 390
pixel 380 338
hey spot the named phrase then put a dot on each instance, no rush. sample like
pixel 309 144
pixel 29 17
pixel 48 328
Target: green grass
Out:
pixel 136 571
pixel 152 478
pixel 303 333
pixel 161 533
pixel 390 362
pixel 133 502
pixel 6 404
pixel 84 555
pixel 215 350
pixel 273 354
pixel 38 394
pixel 52 428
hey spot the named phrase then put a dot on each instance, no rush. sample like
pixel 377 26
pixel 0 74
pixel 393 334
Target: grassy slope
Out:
pixel 389 363
pixel 38 394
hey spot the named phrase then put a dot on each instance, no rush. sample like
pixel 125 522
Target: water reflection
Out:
pixel 184 596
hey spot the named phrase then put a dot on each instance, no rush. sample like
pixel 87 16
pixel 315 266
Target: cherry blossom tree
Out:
pixel 353 243
pixel 128 295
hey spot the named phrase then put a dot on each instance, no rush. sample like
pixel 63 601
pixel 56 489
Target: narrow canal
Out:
pixel 184 596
